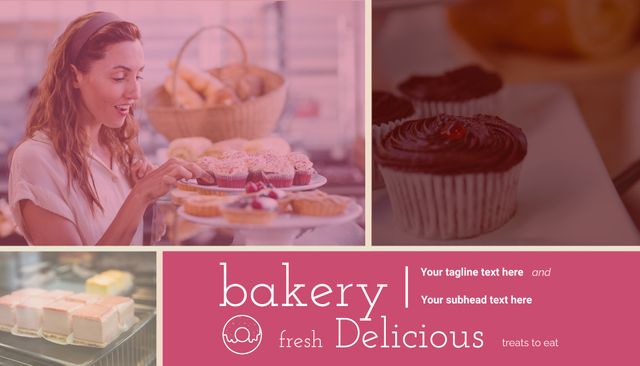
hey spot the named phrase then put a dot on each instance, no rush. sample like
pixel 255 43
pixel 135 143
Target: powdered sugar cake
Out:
pixel 56 320
pixel 124 306
pixel 29 316
pixel 8 311
pixel 95 325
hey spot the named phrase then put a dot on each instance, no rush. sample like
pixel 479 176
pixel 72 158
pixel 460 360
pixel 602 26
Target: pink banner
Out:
pixel 409 308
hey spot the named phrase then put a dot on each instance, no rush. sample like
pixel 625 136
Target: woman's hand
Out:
pixel 140 169
pixel 157 182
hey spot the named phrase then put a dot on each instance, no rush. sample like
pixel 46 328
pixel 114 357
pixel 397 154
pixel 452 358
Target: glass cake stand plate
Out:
pixel 281 231
pixel 134 347
pixel 565 195
pixel 317 181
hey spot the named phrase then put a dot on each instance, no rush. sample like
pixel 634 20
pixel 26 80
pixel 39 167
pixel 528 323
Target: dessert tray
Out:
pixel 282 231
pixel 317 181
pixel 136 346
pixel 565 195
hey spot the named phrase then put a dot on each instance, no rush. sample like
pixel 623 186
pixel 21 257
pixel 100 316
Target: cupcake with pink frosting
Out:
pixel 255 165
pixel 231 173
pixel 278 171
pixel 303 168
pixel 207 163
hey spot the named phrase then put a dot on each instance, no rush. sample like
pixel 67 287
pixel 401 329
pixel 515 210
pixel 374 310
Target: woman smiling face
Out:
pixel 112 85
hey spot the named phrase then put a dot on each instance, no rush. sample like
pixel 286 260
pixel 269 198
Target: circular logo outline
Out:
pixel 248 339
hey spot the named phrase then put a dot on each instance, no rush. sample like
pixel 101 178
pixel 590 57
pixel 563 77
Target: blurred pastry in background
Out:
pixel 189 148
pixel 274 144
pixel 212 89
pixel 465 91
pixel 218 148
pixel 185 96
pixel 111 282
pixel 558 27
pixel 246 85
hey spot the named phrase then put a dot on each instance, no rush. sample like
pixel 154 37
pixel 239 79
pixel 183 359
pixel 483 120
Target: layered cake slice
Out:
pixel 95 325
pixel 8 311
pixel 56 319
pixel 29 315
pixel 124 306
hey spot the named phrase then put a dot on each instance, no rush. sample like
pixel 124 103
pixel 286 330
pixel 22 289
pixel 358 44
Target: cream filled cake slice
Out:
pixel 29 315
pixel 124 306
pixel 8 311
pixel 95 325
pixel 56 319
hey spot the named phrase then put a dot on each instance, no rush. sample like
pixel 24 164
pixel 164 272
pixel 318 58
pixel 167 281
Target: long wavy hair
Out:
pixel 55 109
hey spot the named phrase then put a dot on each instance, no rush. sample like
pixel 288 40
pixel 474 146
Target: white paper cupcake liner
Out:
pixel 452 206
pixel 489 104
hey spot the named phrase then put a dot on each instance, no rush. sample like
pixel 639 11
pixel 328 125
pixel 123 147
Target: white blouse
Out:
pixel 37 174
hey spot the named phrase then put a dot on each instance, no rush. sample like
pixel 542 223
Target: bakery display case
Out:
pixel 86 282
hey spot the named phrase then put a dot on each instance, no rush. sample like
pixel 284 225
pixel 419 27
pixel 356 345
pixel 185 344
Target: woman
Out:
pixel 80 177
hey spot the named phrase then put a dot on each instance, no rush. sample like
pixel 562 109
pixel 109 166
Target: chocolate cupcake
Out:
pixel 465 91
pixel 452 177
pixel 387 112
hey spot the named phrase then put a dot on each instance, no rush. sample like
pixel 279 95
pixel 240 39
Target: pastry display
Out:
pixel 464 91
pixel 67 318
pixel 452 177
pixel 234 168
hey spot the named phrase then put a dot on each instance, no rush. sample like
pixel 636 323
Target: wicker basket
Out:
pixel 251 119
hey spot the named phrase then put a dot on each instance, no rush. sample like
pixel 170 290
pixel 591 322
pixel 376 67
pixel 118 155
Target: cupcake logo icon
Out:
pixel 242 334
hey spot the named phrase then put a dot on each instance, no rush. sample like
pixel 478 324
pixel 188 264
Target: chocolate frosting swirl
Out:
pixel 386 107
pixel 448 145
pixel 465 83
